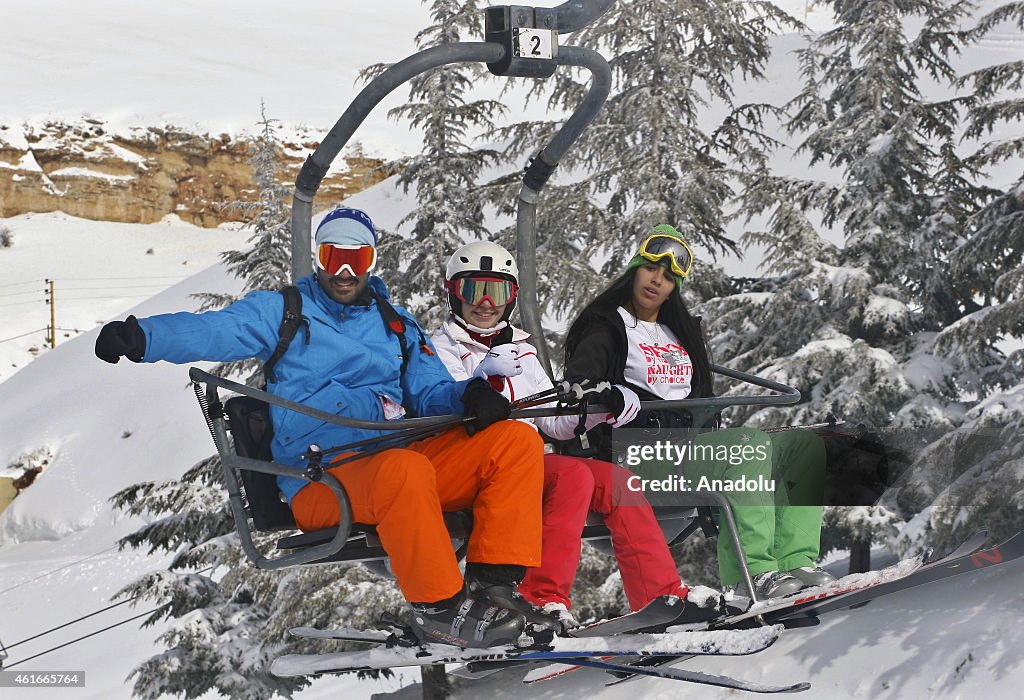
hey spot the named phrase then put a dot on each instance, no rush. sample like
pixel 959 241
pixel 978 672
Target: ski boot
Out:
pixel 494 583
pixel 468 621
pixel 693 608
pixel 812 576
pixel 776 584
pixel 561 612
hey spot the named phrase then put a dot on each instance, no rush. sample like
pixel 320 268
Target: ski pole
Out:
pixel 519 403
pixel 527 403
pixel 400 437
pixel 563 391
pixel 390 442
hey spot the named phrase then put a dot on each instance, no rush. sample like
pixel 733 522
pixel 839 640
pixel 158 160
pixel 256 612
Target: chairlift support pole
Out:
pixel 536 177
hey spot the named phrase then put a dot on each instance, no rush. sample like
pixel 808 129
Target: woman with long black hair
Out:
pixel 639 335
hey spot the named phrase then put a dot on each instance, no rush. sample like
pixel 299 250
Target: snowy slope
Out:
pixel 953 639
pixel 99 270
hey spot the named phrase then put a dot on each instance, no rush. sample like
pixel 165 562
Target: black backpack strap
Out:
pixel 290 322
pixel 395 323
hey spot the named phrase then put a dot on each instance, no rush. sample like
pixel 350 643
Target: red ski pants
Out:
pixel 498 473
pixel 572 487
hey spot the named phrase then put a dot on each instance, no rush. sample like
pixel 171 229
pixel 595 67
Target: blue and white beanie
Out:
pixel 346 226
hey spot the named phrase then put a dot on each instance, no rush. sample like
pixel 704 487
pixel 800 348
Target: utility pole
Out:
pixel 53 313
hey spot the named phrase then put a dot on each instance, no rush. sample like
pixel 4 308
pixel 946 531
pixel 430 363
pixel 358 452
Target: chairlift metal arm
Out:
pixel 310 555
pixel 787 395
pixel 577 14
pixel 316 165
pixel 536 177
pixel 198 375
pixel 236 502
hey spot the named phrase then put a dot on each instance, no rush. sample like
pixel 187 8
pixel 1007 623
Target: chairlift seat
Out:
pixel 251 428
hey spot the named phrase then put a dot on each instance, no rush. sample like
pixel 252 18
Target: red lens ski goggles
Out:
pixel 357 259
pixel 474 290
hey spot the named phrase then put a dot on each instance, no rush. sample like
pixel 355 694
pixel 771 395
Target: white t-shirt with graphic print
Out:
pixel 655 360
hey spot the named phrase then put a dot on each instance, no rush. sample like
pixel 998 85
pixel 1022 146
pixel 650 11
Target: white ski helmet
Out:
pixel 474 258
pixel 482 256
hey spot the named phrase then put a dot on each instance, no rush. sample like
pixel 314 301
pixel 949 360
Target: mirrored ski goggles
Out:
pixel 357 259
pixel 655 248
pixel 474 290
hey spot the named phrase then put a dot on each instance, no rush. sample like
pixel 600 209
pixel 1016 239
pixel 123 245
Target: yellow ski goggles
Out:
pixel 659 246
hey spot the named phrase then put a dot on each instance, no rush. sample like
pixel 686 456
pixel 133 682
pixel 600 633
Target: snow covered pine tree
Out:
pixel 863 330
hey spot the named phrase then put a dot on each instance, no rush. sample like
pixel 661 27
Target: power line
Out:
pixel 84 617
pixel 20 294
pixel 143 277
pixel 22 336
pixel 77 619
pixel 91 634
pixel 114 296
pixel 21 303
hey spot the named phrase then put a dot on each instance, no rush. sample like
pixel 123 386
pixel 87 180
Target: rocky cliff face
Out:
pixel 141 176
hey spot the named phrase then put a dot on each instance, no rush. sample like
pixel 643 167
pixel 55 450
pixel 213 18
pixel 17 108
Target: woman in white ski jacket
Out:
pixel 477 340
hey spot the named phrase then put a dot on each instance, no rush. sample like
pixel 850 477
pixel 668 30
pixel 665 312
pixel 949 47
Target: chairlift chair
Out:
pixel 520 41
pixel 257 505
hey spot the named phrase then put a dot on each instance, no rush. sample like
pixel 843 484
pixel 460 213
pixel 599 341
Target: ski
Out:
pixel 659 613
pixel 680 674
pixel 346 634
pixel 655 616
pixel 944 568
pixel 848 591
pixel 868 585
pixel 967 557
pixel 706 643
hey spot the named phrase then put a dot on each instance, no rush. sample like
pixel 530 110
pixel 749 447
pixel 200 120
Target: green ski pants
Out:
pixel 776 534
pixel 779 519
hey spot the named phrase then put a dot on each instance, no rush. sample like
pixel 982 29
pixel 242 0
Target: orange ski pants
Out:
pixel 499 473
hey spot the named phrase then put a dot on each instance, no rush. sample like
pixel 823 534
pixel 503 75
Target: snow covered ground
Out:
pixel 957 639
pixel 108 427
pixel 208 65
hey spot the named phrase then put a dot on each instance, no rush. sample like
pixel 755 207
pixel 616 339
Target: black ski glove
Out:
pixel 119 338
pixel 485 403
pixel 623 402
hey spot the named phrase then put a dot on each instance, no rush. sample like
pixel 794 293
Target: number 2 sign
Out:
pixel 534 43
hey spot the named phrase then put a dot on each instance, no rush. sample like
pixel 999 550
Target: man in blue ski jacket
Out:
pixel 348 362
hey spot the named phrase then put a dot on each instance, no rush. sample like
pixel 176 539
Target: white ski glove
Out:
pixel 623 400
pixel 502 361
